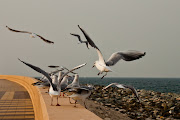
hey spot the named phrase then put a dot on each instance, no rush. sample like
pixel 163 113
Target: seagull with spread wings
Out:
pixel 55 89
pixel 124 87
pixel 81 93
pixel 103 66
pixel 79 38
pixel 33 35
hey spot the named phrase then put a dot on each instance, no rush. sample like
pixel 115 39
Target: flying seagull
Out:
pixel 55 89
pixel 103 66
pixel 78 36
pixel 124 86
pixel 33 35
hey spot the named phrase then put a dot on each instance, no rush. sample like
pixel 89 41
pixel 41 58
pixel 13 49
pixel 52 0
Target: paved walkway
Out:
pixel 66 111
pixel 15 103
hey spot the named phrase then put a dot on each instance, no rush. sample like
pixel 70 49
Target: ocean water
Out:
pixel 164 85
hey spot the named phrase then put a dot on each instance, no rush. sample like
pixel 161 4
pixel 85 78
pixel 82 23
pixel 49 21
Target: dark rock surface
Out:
pixel 153 105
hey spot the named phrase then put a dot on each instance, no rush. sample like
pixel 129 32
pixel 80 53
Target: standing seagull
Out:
pixel 33 35
pixel 55 89
pixel 80 39
pixel 103 66
pixel 124 86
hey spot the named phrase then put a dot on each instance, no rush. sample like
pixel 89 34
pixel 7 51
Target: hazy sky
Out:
pixel 152 26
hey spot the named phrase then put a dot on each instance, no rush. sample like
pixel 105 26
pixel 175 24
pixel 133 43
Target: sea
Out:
pixel 165 85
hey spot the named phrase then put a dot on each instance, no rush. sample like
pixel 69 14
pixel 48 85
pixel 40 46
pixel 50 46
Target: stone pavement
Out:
pixel 15 102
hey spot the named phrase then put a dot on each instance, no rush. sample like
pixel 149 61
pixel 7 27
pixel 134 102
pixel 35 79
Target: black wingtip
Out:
pixel 19 59
pixel 144 53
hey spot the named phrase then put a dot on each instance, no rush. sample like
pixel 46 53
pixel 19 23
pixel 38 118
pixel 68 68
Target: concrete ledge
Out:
pixel 39 106
pixel 41 103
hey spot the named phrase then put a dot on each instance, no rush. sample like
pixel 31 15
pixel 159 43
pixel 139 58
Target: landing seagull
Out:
pixel 78 36
pixel 33 35
pixel 55 89
pixel 103 66
pixel 124 86
pixel 81 93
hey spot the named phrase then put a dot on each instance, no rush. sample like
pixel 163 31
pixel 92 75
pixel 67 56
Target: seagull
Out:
pixel 81 93
pixel 74 84
pixel 78 36
pixel 33 35
pixel 64 84
pixel 55 89
pixel 103 66
pixel 124 87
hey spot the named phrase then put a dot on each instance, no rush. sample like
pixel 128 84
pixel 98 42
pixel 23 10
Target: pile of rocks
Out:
pixel 153 105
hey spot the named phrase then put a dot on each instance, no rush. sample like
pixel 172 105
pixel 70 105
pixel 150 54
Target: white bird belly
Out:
pixel 53 93
pixel 100 67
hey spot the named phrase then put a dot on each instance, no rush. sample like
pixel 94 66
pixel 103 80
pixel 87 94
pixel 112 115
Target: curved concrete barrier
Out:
pixel 39 106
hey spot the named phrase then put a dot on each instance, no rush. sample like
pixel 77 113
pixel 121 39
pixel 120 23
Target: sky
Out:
pixel 151 26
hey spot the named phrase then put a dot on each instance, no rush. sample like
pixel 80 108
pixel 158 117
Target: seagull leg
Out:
pixel 98 73
pixel 93 66
pixel 104 75
pixel 47 91
pixel 70 101
pixel 57 102
pixel 75 103
pixel 85 104
pixel 51 101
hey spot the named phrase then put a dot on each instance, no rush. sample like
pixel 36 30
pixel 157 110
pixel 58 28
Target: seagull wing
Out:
pixel 88 38
pixel 133 90
pixel 18 30
pixel 53 66
pixel 129 55
pixel 78 36
pixel 45 40
pixel 75 68
pixel 119 85
pixel 101 59
pixel 40 71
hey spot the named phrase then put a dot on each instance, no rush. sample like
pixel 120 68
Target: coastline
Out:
pixel 114 104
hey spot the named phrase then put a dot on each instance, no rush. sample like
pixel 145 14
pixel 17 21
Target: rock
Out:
pixel 178 98
pixel 107 119
pixel 113 106
pixel 122 110
pixel 117 109
pixel 108 105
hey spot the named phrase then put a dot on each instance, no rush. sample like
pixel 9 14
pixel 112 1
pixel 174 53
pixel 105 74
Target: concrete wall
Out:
pixel 39 106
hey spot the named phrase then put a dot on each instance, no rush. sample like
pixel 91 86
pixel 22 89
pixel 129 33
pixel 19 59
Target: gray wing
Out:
pixel 101 59
pixel 129 55
pixel 75 68
pixel 133 90
pixel 13 30
pixel 40 71
pixel 88 38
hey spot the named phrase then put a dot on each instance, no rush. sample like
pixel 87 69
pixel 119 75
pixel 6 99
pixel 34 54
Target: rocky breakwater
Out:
pixel 153 105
